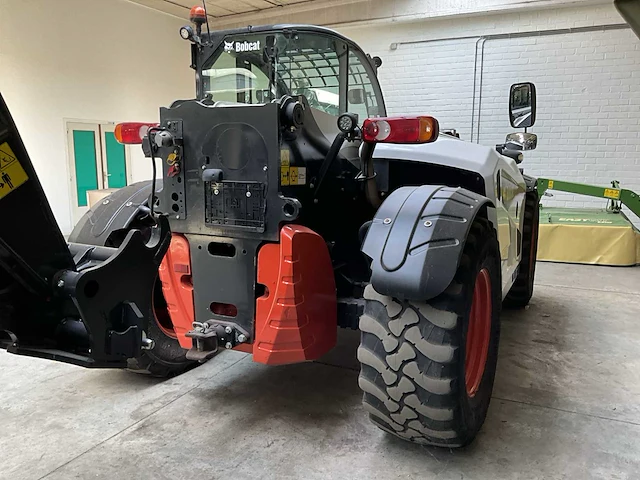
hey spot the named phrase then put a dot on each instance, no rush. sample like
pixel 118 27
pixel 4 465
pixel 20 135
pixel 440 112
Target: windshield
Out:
pixel 257 68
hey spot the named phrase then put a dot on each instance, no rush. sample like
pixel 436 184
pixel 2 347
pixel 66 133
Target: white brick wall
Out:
pixel 588 87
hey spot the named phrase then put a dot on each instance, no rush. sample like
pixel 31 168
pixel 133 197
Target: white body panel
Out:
pixel 507 217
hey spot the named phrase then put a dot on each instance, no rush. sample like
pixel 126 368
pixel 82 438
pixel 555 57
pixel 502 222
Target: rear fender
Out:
pixel 115 212
pixel 416 239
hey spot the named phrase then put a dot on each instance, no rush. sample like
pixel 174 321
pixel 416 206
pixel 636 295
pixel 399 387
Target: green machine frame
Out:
pixel 617 195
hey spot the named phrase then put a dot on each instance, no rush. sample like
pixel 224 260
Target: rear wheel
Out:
pixel 167 357
pixel 522 289
pixel 428 368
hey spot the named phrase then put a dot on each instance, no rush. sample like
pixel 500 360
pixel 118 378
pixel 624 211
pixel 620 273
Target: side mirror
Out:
pixel 522 105
pixel 356 96
pixel 521 141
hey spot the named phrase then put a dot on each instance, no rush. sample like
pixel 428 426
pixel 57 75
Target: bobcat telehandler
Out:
pixel 289 205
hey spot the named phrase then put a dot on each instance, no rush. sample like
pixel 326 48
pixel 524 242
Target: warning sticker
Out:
pixel 285 158
pixel 12 175
pixel 291 175
pixel 612 193
pixel 550 183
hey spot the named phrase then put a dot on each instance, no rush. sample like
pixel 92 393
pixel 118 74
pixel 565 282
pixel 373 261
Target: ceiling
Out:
pixel 218 9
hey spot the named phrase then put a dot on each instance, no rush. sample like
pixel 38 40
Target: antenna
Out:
pixel 206 15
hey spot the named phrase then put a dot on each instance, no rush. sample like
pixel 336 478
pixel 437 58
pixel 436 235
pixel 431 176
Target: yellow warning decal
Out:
pixel 612 193
pixel 290 175
pixel 293 175
pixel 12 175
pixel 285 158
pixel 285 161
pixel 550 184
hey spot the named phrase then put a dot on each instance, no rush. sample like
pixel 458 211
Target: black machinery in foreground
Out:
pixel 47 285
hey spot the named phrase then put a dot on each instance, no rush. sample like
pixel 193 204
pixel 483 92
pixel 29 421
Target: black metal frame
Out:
pixel 76 303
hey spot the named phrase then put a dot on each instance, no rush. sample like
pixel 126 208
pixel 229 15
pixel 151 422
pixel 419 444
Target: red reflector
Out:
pixel 400 130
pixel 132 133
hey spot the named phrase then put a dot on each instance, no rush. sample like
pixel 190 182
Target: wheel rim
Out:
pixel 478 333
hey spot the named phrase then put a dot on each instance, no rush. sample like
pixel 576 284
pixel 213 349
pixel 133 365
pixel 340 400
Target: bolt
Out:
pixel 386 221
pixel 147 344
pixel 228 345
pixel 177 217
pixel 265 168
pixel 106 202
pixel 60 283
pixel 248 194
pixel 204 167
pixel 242 338
pixel 227 330
pixel 428 223
pixel 128 204
pixel 311 185
pixel 216 192
pixel 315 200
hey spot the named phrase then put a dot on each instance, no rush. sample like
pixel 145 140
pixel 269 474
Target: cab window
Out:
pixel 361 96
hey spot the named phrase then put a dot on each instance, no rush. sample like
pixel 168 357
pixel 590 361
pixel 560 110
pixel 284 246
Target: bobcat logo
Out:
pixel 228 46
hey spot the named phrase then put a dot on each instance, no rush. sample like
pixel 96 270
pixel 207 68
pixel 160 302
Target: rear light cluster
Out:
pixel 132 133
pixel 400 130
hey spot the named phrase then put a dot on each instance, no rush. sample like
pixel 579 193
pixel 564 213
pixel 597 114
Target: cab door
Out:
pixel 510 199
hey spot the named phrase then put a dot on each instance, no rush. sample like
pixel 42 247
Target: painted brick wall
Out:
pixel 588 87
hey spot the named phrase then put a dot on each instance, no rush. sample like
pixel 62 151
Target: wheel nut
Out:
pixel 242 338
pixel 227 330
pixel 228 345
pixel 60 283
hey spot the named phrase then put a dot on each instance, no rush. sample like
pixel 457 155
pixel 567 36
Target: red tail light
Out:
pixel 400 130
pixel 132 133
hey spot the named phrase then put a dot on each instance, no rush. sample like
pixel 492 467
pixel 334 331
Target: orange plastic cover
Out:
pixel 296 319
pixel 175 275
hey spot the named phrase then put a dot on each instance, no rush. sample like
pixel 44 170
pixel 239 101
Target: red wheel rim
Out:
pixel 478 333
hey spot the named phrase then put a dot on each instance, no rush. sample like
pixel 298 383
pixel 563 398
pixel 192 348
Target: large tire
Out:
pixel 418 384
pixel 522 289
pixel 167 358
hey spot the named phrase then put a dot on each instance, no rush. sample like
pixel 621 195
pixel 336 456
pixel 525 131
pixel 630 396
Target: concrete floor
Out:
pixel 566 405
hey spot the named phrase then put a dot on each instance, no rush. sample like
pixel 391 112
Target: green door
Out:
pixel 96 162
pixel 116 161
pixel 85 162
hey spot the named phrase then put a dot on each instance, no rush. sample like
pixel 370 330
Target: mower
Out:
pixel 289 205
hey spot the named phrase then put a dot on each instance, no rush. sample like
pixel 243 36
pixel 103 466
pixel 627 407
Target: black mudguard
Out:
pixel 115 212
pixel 417 237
